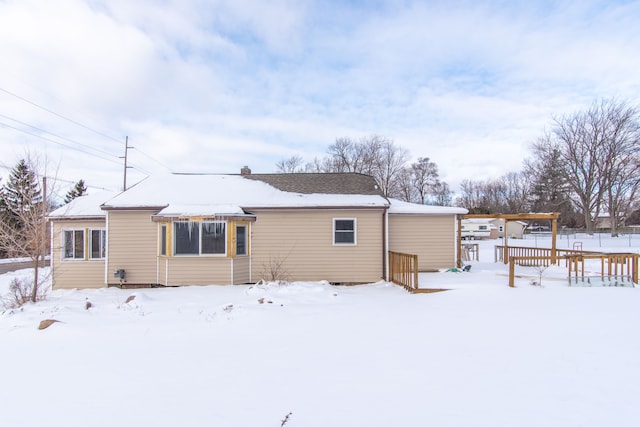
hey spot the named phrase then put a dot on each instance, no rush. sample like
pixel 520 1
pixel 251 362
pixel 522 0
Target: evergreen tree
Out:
pixel 80 189
pixel 20 195
pixel 22 228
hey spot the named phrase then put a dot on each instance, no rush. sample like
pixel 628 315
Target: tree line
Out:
pixel 586 164
pixel 383 159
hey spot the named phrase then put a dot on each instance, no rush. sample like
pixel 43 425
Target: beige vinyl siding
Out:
pixel 241 270
pixel 303 241
pixel 133 246
pixel 431 237
pixel 196 270
pixel 68 274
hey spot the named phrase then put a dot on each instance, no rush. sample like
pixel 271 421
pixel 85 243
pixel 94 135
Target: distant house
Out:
pixel 514 229
pixel 603 221
pixel 182 229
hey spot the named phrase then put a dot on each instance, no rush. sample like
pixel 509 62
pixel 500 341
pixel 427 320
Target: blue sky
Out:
pixel 211 86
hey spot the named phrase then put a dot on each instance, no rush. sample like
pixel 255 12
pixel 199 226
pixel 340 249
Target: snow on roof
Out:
pixel 85 206
pixel 225 194
pixel 400 207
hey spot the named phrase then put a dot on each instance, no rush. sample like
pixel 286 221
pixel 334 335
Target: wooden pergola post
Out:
pixel 554 233
pixel 505 254
pixel 459 260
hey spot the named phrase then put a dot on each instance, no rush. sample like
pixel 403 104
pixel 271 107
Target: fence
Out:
pixel 619 269
pixel 615 270
pixel 535 256
pixel 403 270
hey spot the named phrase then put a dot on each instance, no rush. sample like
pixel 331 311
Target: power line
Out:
pixel 58 142
pixel 55 178
pixel 57 136
pixel 59 115
pixel 68 139
pixel 155 160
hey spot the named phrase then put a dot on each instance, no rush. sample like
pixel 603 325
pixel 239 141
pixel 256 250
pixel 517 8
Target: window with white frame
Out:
pixel 73 244
pixel 97 243
pixel 200 238
pixel 344 231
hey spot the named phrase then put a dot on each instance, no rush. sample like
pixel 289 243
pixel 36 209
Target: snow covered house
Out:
pixel 188 229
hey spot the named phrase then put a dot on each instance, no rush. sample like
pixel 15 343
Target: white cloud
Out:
pixel 214 85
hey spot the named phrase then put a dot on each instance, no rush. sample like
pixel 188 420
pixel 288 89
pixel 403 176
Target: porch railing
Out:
pixel 403 270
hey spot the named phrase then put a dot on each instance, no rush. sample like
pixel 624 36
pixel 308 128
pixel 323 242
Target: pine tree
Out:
pixel 22 213
pixel 80 189
pixel 20 195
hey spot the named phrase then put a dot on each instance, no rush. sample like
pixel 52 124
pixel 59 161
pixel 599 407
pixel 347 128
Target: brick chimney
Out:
pixel 245 171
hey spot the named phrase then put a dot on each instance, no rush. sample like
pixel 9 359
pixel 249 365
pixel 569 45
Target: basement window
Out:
pixel 344 231
pixel 200 238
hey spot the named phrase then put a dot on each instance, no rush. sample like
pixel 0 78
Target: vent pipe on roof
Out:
pixel 245 171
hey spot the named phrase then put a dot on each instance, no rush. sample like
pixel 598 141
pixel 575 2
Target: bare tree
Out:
pixel 592 146
pixel 380 157
pixel 406 190
pixel 375 155
pixel 389 160
pixel 442 194
pixel 473 197
pixel 291 165
pixel 620 160
pixel 425 178
pixel 517 189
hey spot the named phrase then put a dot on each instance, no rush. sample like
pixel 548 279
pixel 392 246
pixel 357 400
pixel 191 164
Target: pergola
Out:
pixel 553 217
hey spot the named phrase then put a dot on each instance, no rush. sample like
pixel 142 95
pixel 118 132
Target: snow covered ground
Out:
pixel 481 354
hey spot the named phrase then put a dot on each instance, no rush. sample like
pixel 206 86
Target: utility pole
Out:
pixel 126 150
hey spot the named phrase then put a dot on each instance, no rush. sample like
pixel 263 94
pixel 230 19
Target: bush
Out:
pixel 20 291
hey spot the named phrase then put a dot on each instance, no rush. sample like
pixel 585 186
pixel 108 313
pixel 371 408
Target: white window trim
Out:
pixel 355 232
pixel 200 254
pixel 89 239
pixel 64 245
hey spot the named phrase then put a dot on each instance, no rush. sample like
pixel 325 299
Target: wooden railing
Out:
pixel 403 270
pixel 535 256
pixel 620 269
pixel 614 268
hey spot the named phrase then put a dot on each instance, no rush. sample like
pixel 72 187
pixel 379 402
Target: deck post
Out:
pixel 415 271
pixel 512 270
pixel 459 260
pixel 554 235
pixel 505 255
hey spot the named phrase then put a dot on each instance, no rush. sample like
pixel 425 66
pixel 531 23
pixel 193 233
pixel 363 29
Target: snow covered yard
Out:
pixel 481 354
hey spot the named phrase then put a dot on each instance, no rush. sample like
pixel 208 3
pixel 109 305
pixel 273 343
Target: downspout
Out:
pixel 51 251
pixel 106 249
pixel 459 242
pixel 385 245
pixel 158 243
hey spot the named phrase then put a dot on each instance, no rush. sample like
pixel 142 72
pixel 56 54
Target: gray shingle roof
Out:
pixel 320 183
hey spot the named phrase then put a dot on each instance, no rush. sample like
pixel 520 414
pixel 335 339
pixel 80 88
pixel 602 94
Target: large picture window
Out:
pixel 73 244
pixel 344 231
pixel 98 244
pixel 200 238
